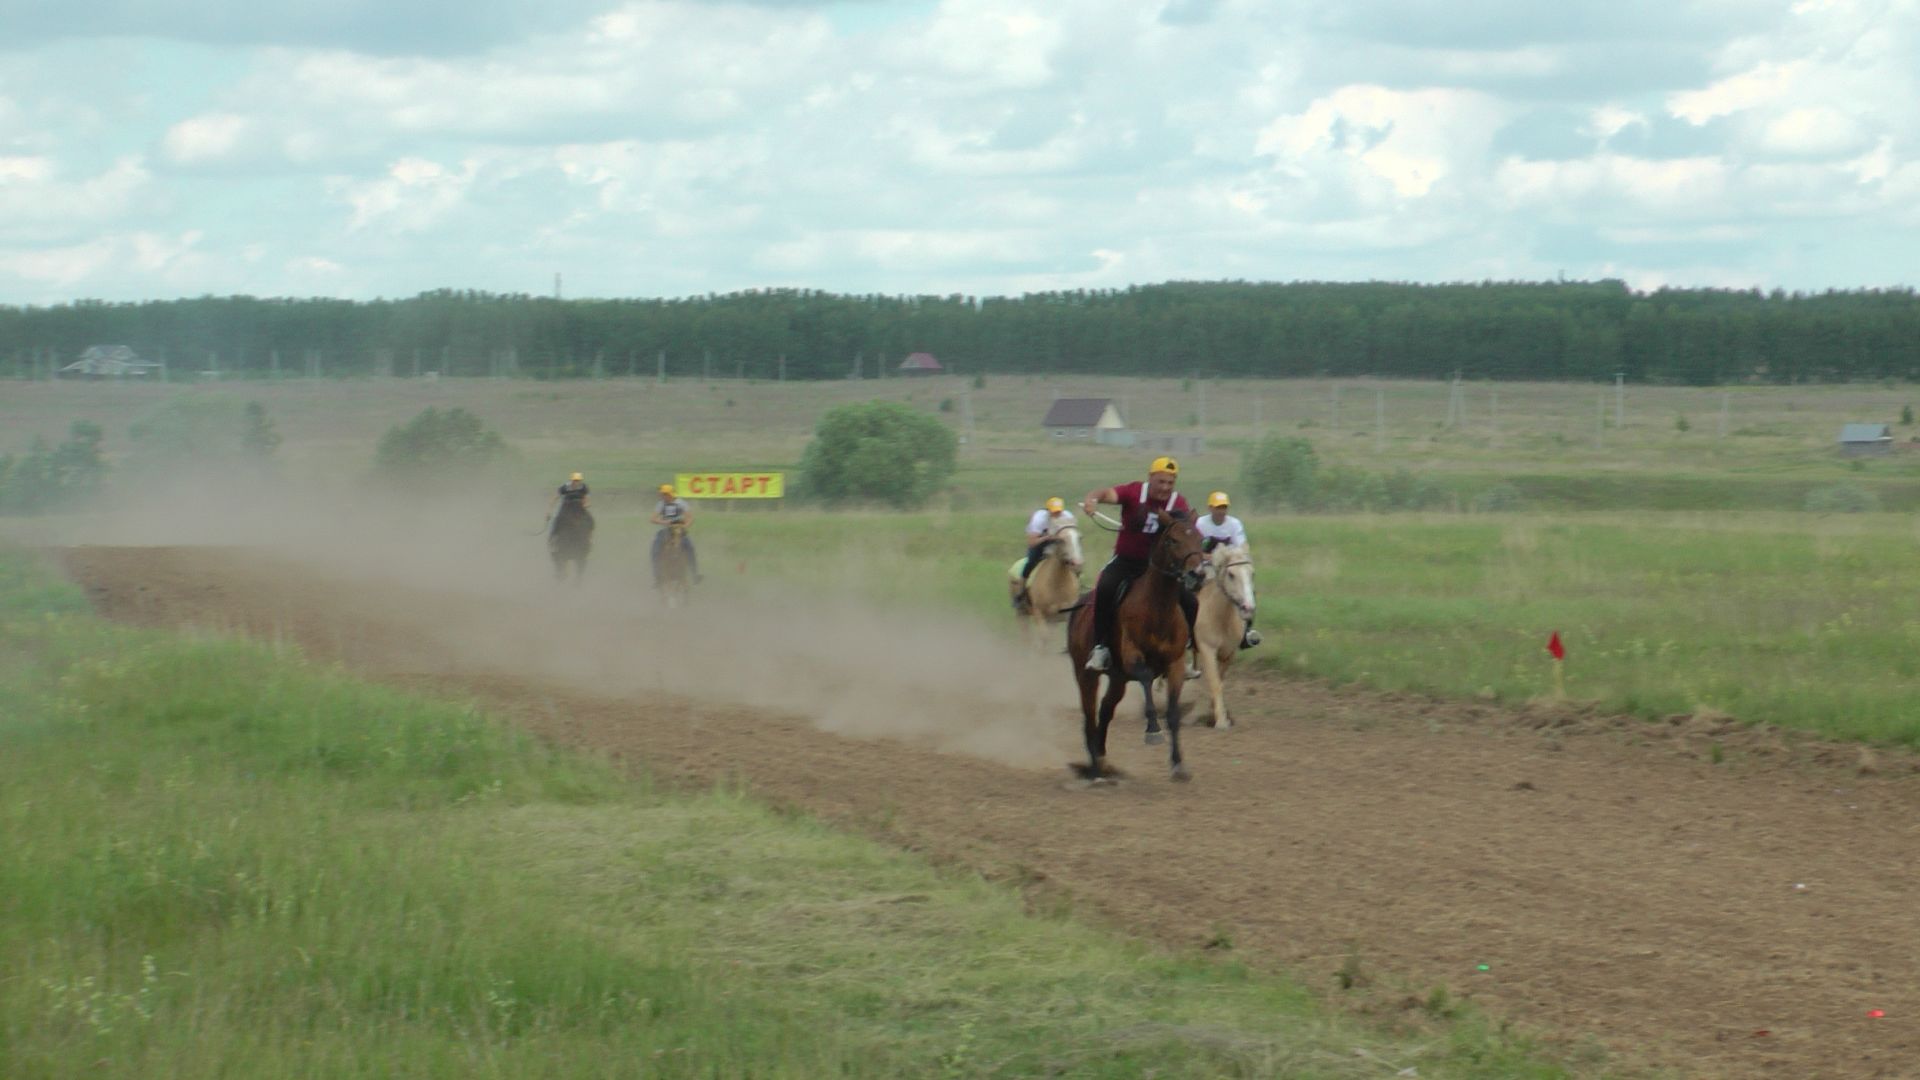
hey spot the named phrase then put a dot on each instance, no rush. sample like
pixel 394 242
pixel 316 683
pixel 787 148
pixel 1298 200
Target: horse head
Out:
pixel 1066 539
pixel 1233 570
pixel 1182 551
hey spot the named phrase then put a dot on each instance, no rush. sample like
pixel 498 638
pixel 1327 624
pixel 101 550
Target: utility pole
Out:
pixel 1203 407
pixel 1600 422
pixel 273 359
pixel 599 364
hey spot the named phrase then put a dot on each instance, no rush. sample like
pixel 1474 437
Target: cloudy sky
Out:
pixel 367 148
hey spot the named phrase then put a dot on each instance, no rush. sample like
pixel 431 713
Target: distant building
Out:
pixel 1860 440
pixel 109 361
pixel 920 363
pixel 1082 418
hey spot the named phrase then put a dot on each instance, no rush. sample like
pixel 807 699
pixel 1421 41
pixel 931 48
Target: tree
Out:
pixel 436 445
pixel 47 476
pixel 880 451
pixel 261 436
pixel 1280 471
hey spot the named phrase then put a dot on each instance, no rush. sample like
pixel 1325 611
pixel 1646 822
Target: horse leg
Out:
pixel 1177 769
pixel 1212 668
pixel 1116 689
pixel 1154 738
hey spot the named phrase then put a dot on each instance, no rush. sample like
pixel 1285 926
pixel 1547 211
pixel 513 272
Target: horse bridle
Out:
pixel 1222 579
pixel 1179 570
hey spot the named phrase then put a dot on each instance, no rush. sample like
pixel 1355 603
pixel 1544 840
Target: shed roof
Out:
pixel 1076 412
pixel 1865 433
pixel 920 361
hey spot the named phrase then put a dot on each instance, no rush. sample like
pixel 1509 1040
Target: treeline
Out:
pixel 1554 330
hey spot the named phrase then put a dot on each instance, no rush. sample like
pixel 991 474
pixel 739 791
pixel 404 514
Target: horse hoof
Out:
pixel 1154 738
pixel 1180 775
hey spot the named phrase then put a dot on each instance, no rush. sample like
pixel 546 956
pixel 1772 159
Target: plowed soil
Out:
pixel 1724 913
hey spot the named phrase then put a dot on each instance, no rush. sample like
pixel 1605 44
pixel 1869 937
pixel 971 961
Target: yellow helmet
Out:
pixel 1165 465
pixel 1218 498
pixel 666 489
pixel 576 476
pixel 1056 504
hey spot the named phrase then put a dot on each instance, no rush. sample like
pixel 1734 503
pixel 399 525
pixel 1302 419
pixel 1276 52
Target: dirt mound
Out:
pixel 1734 912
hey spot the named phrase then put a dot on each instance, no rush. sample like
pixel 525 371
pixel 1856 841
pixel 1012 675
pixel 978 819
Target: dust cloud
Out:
pixel 460 583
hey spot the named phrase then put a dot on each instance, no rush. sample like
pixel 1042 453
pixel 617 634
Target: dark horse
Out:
pixel 570 538
pixel 1151 634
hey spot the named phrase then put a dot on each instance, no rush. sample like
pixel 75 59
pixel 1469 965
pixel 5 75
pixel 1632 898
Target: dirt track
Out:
pixel 1737 919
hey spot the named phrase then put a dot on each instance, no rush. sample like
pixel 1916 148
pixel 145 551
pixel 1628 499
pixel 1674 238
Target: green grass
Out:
pixel 220 860
pixel 1787 619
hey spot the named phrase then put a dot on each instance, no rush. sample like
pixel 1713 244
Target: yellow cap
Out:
pixel 1218 498
pixel 1165 465
pixel 666 489
pixel 1056 504
pixel 576 476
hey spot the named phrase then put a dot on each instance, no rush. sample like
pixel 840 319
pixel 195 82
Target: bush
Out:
pixel 46 477
pixel 437 445
pixel 879 451
pixel 1906 414
pixel 980 382
pixel 1500 498
pixel 196 433
pixel 1842 499
pixel 1280 471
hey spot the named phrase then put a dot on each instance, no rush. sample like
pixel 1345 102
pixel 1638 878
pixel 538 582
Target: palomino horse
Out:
pixel 570 539
pixel 671 574
pixel 1226 606
pixel 1150 642
pixel 1054 586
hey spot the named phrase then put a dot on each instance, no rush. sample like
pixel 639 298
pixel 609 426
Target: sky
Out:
pixel 152 149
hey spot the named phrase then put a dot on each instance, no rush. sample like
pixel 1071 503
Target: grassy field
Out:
pixel 1676 559
pixel 223 861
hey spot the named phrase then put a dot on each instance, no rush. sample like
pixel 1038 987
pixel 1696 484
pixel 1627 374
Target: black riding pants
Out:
pixel 1034 554
pixel 1104 602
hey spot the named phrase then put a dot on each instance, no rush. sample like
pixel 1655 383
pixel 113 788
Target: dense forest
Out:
pixel 1553 330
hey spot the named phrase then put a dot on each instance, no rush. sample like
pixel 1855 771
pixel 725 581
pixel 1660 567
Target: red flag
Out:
pixel 1558 651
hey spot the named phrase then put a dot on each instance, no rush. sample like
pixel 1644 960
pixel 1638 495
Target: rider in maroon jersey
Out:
pixel 1139 528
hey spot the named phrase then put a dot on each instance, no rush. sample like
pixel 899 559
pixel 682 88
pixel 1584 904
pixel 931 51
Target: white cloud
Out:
pixel 35 198
pixel 413 195
pixel 1412 140
pixel 990 145
pixel 209 137
pixel 1763 85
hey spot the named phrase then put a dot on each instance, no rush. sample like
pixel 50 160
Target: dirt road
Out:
pixel 1733 918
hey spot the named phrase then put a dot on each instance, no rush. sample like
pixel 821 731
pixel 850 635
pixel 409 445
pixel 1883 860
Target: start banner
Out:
pixel 755 485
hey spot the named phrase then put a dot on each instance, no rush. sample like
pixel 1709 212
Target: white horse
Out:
pixel 1226 607
pixel 1055 584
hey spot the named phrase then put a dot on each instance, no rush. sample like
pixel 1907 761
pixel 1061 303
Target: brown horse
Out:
pixel 569 539
pixel 1151 642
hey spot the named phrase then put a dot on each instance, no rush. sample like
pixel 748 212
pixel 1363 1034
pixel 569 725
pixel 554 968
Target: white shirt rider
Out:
pixel 1044 522
pixel 1225 532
